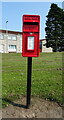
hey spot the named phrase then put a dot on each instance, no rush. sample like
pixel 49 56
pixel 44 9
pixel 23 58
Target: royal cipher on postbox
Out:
pixel 30 37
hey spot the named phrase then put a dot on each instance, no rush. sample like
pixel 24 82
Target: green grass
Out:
pixel 46 76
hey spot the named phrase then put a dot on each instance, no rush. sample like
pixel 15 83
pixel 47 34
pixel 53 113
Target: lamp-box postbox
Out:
pixel 30 37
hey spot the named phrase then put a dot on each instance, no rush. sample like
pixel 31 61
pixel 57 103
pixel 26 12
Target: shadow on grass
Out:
pixel 13 103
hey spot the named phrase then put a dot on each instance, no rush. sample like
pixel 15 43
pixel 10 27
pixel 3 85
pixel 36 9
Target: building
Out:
pixel 43 46
pixel 10 41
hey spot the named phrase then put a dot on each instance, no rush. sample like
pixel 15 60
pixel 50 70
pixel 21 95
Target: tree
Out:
pixel 55 27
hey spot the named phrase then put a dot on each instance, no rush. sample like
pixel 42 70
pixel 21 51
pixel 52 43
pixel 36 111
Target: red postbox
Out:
pixel 30 37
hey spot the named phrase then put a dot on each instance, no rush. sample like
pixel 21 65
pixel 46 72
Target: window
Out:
pixel 1 48
pixel 1 36
pixel 13 37
pixel 9 37
pixel 12 46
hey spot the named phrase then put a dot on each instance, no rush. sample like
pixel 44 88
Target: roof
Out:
pixel 10 32
pixel 15 32
pixel 42 39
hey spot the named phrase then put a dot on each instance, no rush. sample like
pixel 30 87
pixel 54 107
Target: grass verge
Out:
pixel 46 76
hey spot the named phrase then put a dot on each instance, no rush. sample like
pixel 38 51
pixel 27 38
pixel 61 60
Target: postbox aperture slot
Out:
pixel 31 23
pixel 30 27
pixel 30 43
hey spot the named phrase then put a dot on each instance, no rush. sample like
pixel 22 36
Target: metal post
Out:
pixel 29 81
pixel 6 38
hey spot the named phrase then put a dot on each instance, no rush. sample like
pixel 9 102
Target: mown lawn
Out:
pixel 46 76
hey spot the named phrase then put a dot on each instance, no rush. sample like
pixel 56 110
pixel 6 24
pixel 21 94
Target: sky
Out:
pixel 13 12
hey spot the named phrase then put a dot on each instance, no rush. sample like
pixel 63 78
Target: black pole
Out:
pixel 29 81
